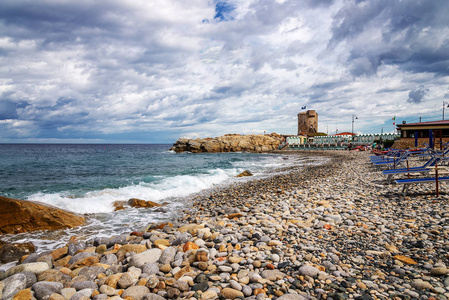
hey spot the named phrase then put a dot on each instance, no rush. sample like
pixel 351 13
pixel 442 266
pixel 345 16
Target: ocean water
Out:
pixel 88 179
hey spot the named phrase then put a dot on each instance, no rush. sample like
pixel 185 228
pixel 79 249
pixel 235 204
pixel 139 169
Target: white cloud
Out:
pixel 99 70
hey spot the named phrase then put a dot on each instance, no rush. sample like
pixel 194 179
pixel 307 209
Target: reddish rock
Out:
pixel 134 202
pixel 17 216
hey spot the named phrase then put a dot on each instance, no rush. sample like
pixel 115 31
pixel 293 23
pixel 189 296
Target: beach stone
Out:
pixel 405 259
pixel 225 269
pixel 54 275
pixel 25 294
pixel 421 284
pixel 100 297
pixel 309 271
pixel 202 286
pixel 116 240
pixel 273 274
pixel 235 285
pixel 439 271
pixel 293 297
pixel 10 252
pixel 73 247
pixel 91 273
pixel 168 256
pixel 151 296
pixel 79 256
pixel 82 294
pixel 35 268
pixel 112 280
pixel 125 281
pixel 181 285
pixel 209 294
pixel 13 284
pixel 150 268
pixel 148 256
pixel 173 293
pixel 67 293
pixel 81 285
pixel 230 293
pixel 109 259
pixel 109 291
pixel 247 291
pixel 43 289
pixel 135 292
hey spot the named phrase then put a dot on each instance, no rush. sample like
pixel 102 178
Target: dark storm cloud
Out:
pixel 411 34
pixel 417 95
pixel 8 108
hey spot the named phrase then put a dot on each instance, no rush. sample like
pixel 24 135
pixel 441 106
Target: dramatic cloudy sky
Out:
pixel 154 70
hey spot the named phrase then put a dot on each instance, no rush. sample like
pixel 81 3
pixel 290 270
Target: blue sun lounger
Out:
pixel 408 182
pixel 422 169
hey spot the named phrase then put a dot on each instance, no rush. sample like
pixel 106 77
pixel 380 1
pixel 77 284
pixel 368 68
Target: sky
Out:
pixel 152 71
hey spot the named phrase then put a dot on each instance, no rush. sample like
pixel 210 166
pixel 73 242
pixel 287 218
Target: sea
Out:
pixel 89 178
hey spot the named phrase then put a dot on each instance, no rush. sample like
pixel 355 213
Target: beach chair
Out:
pixel 395 162
pixel 421 169
pixel 407 182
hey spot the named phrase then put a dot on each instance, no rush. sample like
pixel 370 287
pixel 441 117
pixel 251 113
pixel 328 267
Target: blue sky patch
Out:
pixel 223 11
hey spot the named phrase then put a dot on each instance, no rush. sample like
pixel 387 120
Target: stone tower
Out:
pixel 307 122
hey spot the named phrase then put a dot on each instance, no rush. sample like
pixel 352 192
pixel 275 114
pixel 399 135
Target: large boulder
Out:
pixel 17 216
pixel 230 143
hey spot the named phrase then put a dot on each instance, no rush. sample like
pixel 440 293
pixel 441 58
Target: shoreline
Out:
pixel 332 231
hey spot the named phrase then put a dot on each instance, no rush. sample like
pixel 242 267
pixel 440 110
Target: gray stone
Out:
pixel 309 271
pixel 235 285
pixel 35 268
pixel 120 239
pixel 273 274
pixel 108 259
pixel 292 297
pixel 13 285
pixel 107 290
pixel 148 256
pixel 31 278
pixel 46 288
pixel 181 239
pixel 82 293
pixel 75 247
pixel 181 285
pixel 81 285
pixel 136 292
pixel 151 296
pixel 150 269
pixel 125 281
pixel 91 273
pixel 168 255
pixel 80 255
pixel 100 297
pixel 247 291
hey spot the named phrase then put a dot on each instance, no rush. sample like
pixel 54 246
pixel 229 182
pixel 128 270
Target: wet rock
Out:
pixel 43 289
pixel 14 251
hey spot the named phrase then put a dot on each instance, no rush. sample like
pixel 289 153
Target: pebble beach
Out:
pixel 330 231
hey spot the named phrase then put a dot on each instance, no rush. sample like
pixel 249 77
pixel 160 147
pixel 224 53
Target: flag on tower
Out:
pixel 303 107
pixel 394 120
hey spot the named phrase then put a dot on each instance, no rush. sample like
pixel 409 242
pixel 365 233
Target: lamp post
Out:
pixel 354 117
pixel 444 105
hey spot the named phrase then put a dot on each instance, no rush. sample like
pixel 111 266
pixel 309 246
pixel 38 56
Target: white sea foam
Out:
pixel 101 201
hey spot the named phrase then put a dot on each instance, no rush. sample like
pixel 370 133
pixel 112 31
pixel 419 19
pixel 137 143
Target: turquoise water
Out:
pixel 87 179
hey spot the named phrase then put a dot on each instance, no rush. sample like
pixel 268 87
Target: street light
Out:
pixel 354 117
pixel 444 105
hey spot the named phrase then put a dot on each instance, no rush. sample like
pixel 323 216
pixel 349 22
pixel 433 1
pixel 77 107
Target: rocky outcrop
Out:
pixel 230 143
pixel 17 216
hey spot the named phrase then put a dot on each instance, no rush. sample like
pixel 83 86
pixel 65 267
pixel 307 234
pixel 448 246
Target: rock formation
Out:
pixel 230 143
pixel 17 216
